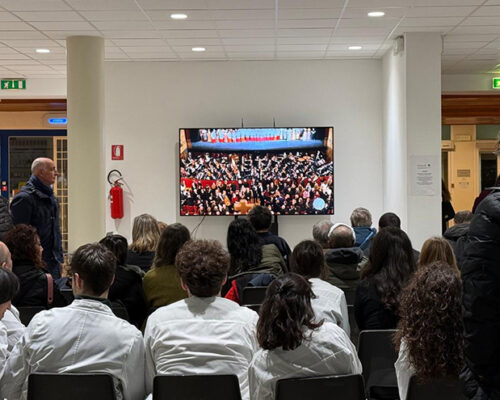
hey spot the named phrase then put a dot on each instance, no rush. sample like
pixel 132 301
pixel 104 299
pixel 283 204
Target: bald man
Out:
pixel 36 205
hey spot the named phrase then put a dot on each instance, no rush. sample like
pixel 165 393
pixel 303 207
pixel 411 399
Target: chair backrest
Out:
pixel 26 313
pixel 196 387
pixel 345 387
pixel 353 324
pixel 253 295
pixel 255 307
pixel 81 386
pixel 378 355
pixel 438 389
pixel 68 295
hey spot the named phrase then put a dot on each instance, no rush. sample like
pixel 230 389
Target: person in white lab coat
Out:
pixel 430 331
pixel 9 285
pixel 82 337
pixel 329 302
pixel 293 343
pixel 205 333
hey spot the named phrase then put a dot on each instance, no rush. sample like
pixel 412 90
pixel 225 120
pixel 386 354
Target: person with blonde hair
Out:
pixel 145 237
pixel 437 249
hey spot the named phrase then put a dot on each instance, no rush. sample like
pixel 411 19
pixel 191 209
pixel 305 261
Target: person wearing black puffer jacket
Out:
pixel 481 301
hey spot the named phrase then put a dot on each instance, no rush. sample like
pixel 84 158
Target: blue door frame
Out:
pixel 4 148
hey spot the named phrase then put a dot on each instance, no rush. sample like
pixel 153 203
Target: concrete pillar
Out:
pixel 412 134
pixel 86 205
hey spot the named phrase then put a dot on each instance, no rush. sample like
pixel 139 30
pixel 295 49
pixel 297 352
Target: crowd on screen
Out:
pixel 185 311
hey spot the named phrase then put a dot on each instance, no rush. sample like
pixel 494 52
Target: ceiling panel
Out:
pixel 439 11
pixel 308 13
pixel 171 24
pixel 88 5
pixel 40 16
pixel 172 4
pixel 63 26
pixel 122 15
pixel 6 16
pixel 34 5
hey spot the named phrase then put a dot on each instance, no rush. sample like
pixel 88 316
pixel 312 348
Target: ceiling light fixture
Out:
pixel 376 14
pixel 355 47
pixel 198 49
pixel 178 16
pixel 42 51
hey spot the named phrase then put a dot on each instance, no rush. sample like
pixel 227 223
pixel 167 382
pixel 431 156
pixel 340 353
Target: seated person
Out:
pixel 329 303
pixel 37 287
pixel 127 286
pixel 430 338
pixel 145 236
pixel 261 219
pixel 343 260
pixel 361 222
pixel 9 285
pixel 457 234
pixel 437 249
pixel 252 262
pixel 388 270
pixel 320 232
pixel 82 337
pixel 162 284
pixel 205 333
pixel 292 343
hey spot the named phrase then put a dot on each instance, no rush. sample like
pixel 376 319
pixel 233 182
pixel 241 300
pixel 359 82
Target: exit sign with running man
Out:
pixel 496 83
pixel 13 84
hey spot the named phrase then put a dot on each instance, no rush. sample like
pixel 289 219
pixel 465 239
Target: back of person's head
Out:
pixel 286 313
pixel 308 259
pixel 24 245
pixel 260 217
pixel 361 217
pixel 341 236
pixel 203 266
pixel 437 249
pixel 118 245
pixel 9 285
pixel 171 240
pixel 389 219
pixel 431 322
pixel 145 233
pixel 244 246
pixel 162 226
pixel 390 264
pixel 320 232
pixel 5 257
pixel 463 217
pixel 96 266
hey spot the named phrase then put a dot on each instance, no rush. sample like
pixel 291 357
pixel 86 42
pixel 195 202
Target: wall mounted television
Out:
pixel 227 171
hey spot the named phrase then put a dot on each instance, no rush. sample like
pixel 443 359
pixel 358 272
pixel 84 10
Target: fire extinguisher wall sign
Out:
pixel 117 152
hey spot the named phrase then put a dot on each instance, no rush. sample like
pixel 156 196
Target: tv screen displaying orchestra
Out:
pixel 227 171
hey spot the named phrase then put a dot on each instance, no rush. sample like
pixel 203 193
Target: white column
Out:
pixel 86 206
pixel 412 132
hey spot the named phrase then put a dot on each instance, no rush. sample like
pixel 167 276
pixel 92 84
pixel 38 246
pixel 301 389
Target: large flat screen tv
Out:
pixel 227 171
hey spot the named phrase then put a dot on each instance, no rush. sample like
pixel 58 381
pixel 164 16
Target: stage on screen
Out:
pixel 226 171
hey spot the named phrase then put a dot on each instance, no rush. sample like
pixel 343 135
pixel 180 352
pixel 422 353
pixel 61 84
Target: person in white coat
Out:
pixel 430 331
pixel 9 285
pixel 205 333
pixel 329 301
pixel 292 343
pixel 82 337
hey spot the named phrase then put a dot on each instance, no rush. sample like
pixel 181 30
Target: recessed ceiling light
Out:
pixel 178 16
pixel 42 51
pixel 376 14
pixel 355 47
pixel 198 49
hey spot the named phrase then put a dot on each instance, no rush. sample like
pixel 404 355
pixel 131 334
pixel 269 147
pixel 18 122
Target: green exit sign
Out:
pixel 13 84
pixel 496 83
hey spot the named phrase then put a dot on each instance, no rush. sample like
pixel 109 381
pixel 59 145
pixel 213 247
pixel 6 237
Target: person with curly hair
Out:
pixel 437 249
pixel 205 333
pixel 37 287
pixel 145 237
pixel 430 332
pixel 389 269
pixel 293 344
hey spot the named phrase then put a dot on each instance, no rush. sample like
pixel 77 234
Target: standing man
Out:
pixel 36 205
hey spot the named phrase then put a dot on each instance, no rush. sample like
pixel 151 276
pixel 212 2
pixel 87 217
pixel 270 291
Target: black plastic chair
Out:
pixel 439 389
pixel 344 387
pixel 378 355
pixel 78 386
pixel 196 387
pixel 253 295
pixel 353 324
pixel 26 313
pixel 68 295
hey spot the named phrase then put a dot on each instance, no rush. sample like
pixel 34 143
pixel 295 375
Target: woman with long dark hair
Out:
pixel 37 287
pixel 389 268
pixel 292 343
pixel 430 332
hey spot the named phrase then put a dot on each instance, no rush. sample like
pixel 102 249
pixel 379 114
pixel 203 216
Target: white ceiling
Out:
pixel 243 30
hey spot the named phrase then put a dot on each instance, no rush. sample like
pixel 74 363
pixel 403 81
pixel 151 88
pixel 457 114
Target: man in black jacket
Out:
pixel 481 301
pixel 36 205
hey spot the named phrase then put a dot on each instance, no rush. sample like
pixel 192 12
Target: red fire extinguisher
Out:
pixel 116 196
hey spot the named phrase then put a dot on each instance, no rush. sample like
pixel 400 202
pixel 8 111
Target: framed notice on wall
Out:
pixel 425 176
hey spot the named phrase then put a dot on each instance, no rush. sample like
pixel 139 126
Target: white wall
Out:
pixel 468 82
pixel 146 104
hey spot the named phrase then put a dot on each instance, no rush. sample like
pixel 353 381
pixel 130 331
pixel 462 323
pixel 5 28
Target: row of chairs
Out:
pixel 43 386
